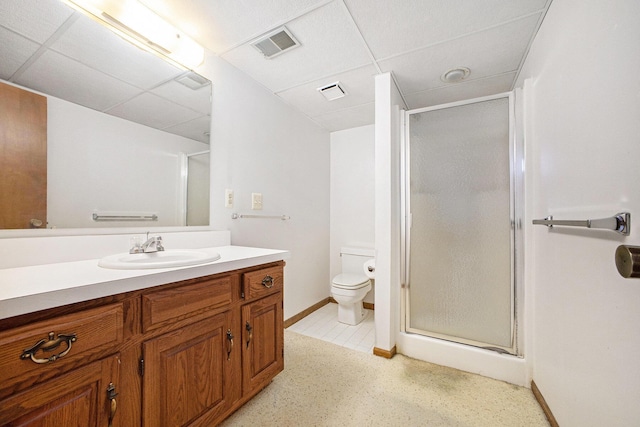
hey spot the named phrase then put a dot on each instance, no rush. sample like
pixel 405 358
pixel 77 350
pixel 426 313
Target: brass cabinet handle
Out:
pixel 229 344
pixel 267 282
pixel 111 395
pixel 250 330
pixel 50 344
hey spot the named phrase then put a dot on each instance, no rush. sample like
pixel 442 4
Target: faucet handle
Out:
pixel 159 243
pixel 136 245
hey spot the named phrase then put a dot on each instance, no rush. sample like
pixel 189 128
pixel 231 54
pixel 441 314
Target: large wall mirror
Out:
pixel 127 133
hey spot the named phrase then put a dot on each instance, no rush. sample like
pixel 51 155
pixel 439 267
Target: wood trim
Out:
pixel 543 404
pixel 387 354
pixel 304 313
pixel 367 305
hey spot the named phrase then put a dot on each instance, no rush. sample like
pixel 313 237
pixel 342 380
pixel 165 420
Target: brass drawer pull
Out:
pixel 267 282
pixel 50 344
pixel 111 395
pixel 250 333
pixel 229 344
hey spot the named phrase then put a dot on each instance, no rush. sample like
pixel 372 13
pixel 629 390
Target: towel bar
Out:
pixel 281 217
pixel 620 223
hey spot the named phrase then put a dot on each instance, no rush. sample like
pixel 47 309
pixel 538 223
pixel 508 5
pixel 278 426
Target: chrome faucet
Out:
pixel 153 244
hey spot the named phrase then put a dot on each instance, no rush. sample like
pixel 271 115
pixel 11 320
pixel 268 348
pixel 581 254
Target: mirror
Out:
pixel 122 125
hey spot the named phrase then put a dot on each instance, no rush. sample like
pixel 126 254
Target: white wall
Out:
pixel 352 194
pixel 583 138
pixel 101 162
pixel 387 211
pixel 261 145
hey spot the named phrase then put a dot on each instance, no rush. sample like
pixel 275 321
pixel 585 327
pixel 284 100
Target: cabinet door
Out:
pixel 83 397
pixel 187 374
pixel 263 341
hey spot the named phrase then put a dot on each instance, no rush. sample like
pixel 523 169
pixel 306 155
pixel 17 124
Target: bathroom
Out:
pixel 581 104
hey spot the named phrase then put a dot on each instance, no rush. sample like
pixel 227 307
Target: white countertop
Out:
pixel 28 289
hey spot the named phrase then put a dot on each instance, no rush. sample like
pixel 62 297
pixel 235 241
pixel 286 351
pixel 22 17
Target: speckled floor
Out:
pixel 324 384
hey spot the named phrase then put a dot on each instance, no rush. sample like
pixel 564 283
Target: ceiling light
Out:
pixel 455 75
pixel 332 91
pixel 141 26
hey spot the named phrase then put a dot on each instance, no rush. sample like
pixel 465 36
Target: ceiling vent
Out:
pixel 275 43
pixel 193 81
pixel 332 91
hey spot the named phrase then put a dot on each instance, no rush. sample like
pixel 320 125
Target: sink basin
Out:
pixel 164 259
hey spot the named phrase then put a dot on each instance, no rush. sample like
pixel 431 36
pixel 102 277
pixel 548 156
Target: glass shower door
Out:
pixel 459 245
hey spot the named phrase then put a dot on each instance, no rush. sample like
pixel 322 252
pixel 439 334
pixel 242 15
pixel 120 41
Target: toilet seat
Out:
pixel 350 281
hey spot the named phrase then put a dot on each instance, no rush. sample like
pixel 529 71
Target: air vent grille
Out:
pixel 193 81
pixel 276 42
pixel 332 91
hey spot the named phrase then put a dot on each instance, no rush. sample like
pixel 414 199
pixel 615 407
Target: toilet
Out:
pixel 351 286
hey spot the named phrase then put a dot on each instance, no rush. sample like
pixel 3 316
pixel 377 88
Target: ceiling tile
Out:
pixel 358 83
pixel 360 115
pixel 198 100
pixel 154 111
pixel 329 44
pixel 197 129
pixel 223 24
pixel 461 91
pixel 489 52
pixel 12 59
pixel 67 79
pixel 34 19
pixel 98 47
pixel 392 27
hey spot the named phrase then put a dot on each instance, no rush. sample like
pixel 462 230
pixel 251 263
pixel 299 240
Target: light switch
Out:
pixel 228 198
pixel 256 201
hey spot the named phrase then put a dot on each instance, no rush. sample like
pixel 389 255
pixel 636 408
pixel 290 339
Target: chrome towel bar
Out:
pixel 620 223
pixel 100 217
pixel 281 217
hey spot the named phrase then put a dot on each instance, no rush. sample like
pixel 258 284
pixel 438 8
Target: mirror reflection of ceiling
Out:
pixel 48 47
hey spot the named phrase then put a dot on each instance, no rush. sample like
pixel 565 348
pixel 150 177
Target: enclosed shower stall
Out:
pixel 461 180
pixel 195 183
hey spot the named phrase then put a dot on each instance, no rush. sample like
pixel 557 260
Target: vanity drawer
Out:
pixel 169 305
pixel 40 347
pixel 262 282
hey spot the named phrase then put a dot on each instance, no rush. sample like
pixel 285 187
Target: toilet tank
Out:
pixel 352 259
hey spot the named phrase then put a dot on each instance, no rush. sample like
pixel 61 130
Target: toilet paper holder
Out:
pixel 628 261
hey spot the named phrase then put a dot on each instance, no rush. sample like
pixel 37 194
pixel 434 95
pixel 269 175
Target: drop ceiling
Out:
pixel 349 41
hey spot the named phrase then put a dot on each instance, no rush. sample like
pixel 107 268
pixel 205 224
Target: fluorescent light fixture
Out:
pixel 141 26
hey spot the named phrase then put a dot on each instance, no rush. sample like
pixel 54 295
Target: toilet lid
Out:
pixel 350 281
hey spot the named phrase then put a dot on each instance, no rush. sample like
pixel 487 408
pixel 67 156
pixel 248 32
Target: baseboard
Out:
pixel 387 354
pixel 543 405
pixel 290 321
pixel 367 305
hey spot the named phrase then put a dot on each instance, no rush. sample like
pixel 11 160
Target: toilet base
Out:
pixel 351 314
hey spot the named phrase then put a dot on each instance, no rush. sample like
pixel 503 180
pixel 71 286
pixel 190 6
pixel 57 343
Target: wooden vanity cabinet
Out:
pixel 189 353
pixel 262 328
pixel 81 397
pixel 62 371
pixel 188 375
pixel 182 354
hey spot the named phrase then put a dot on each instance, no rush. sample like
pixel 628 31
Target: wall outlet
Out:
pixel 228 198
pixel 256 201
